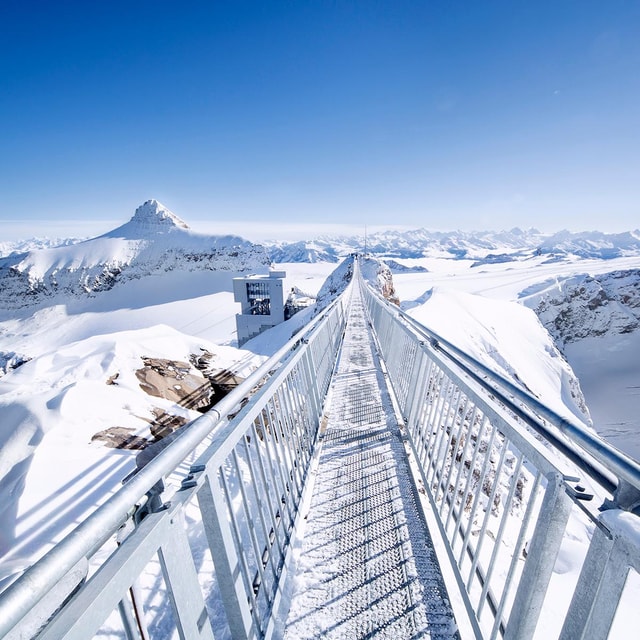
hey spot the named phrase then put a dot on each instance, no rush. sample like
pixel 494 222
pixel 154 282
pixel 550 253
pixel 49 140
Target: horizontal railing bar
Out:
pixel 597 473
pixel 112 581
pixel 536 451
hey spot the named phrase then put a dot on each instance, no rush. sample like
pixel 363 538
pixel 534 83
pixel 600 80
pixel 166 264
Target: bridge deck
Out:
pixel 367 567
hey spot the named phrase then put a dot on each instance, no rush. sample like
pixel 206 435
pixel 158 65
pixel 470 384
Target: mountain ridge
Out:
pixel 153 241
pixel 480 246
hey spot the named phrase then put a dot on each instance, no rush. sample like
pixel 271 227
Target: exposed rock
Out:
pixel 175 381
pixel 120 438
pixel 385 281
pixel 222 381
pixel 11 360
pixel 377 274
pixel 588 305
pixel 165 423
pixel 156 216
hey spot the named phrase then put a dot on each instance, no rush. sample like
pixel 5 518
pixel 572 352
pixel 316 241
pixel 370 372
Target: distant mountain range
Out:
pixel 480 246
pixel 155 240
pixel 153 219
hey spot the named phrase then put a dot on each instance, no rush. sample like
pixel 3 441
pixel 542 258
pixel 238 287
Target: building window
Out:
pixel 258 297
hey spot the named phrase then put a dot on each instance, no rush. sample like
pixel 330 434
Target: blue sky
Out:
pixel 436 114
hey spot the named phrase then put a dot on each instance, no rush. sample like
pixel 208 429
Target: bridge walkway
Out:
pixel 367 568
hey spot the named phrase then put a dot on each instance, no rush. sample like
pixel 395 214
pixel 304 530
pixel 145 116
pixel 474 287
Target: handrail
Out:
pixel 23 594
pixel 613 461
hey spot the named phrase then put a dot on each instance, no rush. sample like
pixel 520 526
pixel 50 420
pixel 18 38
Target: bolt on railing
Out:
pixel 501 499
pixel 245 487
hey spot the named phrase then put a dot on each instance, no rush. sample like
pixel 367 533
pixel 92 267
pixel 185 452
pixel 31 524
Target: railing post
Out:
pixel 182 581
pixel 615 546
pixel 414 395
pixel 225 559
pixel 543 551
pixel 311 380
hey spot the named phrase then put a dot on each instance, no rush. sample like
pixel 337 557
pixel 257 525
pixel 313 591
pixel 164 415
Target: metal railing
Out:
pixel 502 499
pixel 245 488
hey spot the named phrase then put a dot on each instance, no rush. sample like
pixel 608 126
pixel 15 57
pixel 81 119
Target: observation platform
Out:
pixel 367 567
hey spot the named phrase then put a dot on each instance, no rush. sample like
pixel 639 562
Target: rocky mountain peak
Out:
pixel 154 214
pixel 150 220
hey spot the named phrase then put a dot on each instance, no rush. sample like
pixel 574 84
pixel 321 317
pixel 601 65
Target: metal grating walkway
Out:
pixel 367 567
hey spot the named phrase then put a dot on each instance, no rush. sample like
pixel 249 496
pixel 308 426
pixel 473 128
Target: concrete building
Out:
pixel 262 300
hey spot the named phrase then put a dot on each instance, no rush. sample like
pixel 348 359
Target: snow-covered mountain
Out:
pixel 314 251
pixel 482 246
pixel 154 241
pixel 587 305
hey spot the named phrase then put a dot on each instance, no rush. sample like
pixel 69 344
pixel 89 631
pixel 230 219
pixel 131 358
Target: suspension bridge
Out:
pixel 370 480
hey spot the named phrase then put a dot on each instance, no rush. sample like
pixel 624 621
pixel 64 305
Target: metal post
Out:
pixel 225 559
pixel 182 581
pixel 614 548
pixel 543 551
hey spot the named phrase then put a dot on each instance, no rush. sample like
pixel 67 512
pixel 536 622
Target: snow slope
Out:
pixel 508 338
pixel 53 405
pixel 604 360
pixel 51 472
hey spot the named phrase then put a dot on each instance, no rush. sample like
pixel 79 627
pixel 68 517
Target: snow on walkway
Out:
pixel 367 567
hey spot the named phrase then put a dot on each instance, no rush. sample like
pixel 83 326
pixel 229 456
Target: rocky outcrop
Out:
pixel 10 360
pixel 588 305
pixel 150 218
pixel 378 274
pixel 175 381
pixel 120 438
